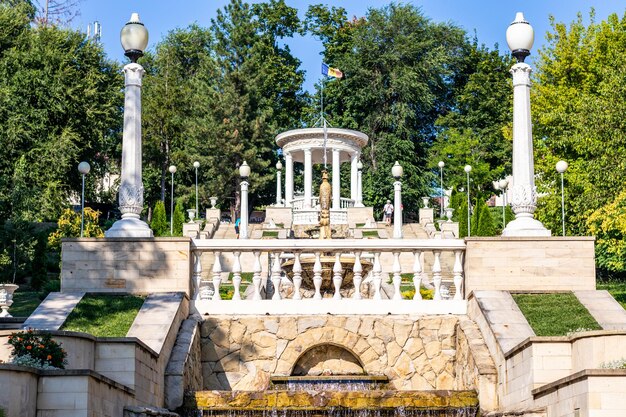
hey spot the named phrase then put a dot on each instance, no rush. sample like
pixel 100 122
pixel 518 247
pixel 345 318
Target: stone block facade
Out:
pixel 528 264
pixel 126 265
pixel 415 353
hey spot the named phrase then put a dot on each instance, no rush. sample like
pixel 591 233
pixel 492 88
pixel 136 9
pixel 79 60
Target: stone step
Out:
pixel 53 311
pixel 604 308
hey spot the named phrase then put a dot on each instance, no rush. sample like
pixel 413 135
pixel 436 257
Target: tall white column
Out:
pixel 131 185
pixel 336 179
pixel 244 215
pixel 288 179
pixel 359 189
pixel 353 175
pixel 523 192
pixel 308 178
pixel 279 189
pixel 397 210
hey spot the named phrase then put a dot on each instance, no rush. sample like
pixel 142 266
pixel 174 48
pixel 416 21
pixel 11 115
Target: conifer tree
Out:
pixel 159 220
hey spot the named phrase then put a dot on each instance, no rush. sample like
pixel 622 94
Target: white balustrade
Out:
pixel 342 276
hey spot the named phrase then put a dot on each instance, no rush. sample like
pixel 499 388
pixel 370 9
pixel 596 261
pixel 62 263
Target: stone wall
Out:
pixel 415 353
pixel 127 265
pixel 528 264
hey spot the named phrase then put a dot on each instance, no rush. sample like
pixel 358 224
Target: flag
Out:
pixel 331 72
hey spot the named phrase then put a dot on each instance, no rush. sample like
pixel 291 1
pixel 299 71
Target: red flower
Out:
pixel 48 357
pixel 29 347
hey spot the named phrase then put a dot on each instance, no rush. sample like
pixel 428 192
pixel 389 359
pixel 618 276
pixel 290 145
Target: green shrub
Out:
pixel 484 224
pixel 159 224
pixel 37 349
pixel 608 224
pixel 69 226
pixel 179 218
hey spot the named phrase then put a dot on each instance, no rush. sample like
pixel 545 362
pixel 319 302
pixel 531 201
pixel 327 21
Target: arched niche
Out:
pixel 327 359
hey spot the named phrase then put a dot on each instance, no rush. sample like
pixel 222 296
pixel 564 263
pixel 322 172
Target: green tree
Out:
pixel 57 108
pixel 178 218
pixel 578 108
pixel 461 216
pixel 400 71
pixel 159 224
pixel 482 224
pixel 608 224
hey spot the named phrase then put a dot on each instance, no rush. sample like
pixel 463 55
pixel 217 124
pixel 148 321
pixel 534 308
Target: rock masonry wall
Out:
pixel 415 353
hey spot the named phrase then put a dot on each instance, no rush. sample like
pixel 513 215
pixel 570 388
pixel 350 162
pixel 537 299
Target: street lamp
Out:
pixel 172 170
pixel 396 172
pixel 520 37
pixel 279 197
pixel 359 184
pixel 196 165
pixel 467 169
pixel 441 164
pixel 561 167
pixel 244 173
pixel 503 183
pixel 84 169
pixel 134 38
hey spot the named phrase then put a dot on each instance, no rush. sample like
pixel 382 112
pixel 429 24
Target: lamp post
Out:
pixel 441 164
pixel 396 172
pixel 520 37
pixel 561 167
pixel 359 185
pixel 84 169
pixel 244 173
pixel 467 169
pixel 172 170
pixel 279 197
pixel 196 165
pixel 134 38
pixel 503 183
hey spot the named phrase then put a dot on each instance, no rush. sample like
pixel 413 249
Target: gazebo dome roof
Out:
pixel 297 140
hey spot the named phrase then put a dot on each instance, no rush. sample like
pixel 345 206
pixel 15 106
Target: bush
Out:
pixel 50 286
pixel 179 218
pixel 37 350
pixel 69 226
pixel 159 219
pixel 483 224
pixel 608 224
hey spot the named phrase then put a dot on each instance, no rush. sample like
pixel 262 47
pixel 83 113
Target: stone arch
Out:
pixel 327 356
pixel 354 343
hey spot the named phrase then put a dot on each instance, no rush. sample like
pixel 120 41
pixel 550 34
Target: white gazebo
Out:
pixel 307 146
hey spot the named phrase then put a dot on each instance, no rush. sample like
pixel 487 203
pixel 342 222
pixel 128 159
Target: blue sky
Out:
pixel 489 18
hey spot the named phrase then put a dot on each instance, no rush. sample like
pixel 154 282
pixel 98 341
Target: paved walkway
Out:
pixel 155 318
pixel 602 306
pixel 53 311
pixel 504 317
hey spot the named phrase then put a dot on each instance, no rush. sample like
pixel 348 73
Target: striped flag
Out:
pixel 331 72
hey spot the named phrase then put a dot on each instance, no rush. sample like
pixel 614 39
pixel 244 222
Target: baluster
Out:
pixel 458 275
pixel 357 270
pixel 276 276
pixel 437 275
pixel 256 277
pixel 317 277
pixel 297 276
pixel 237 276
pixel 397 277
pixel 217 277
pixel 196 280
pixel 337 279
pixel 378 270
pixel 417 274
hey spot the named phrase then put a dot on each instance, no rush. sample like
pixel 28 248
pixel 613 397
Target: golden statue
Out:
pixel 325 199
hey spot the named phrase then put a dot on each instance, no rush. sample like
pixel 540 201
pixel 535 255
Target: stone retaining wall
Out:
pixel 415 353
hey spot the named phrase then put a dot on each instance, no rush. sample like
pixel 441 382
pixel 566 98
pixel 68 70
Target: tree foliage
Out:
pixel 69 226
pixel 608 223
pixel 159 224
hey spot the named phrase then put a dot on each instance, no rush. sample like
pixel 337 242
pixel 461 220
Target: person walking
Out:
pixel 388 212
pixel 237 223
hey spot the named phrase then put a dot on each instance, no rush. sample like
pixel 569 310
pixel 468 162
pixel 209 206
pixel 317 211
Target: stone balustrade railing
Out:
pixel 298 203
pixel 268 259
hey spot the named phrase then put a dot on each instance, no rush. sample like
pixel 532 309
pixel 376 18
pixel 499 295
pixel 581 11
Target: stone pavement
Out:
pixel 155 318
pixel 602 306
pixel 53 311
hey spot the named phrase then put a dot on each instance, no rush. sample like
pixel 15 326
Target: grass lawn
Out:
pixel 104 315
pixel 24 303
pixel 616 288
pixel 370 234
pixel 555 314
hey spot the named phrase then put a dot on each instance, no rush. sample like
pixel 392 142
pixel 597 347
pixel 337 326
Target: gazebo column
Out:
pixel 308 178
pixel 288 179
pixel 359 189
pixel 353 175
pixel 336 179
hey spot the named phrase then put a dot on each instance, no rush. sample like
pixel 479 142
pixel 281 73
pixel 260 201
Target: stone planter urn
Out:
pixel 6 298
pixel 213 201
pixel 449 212
pixel 425 200
pixel 192 214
